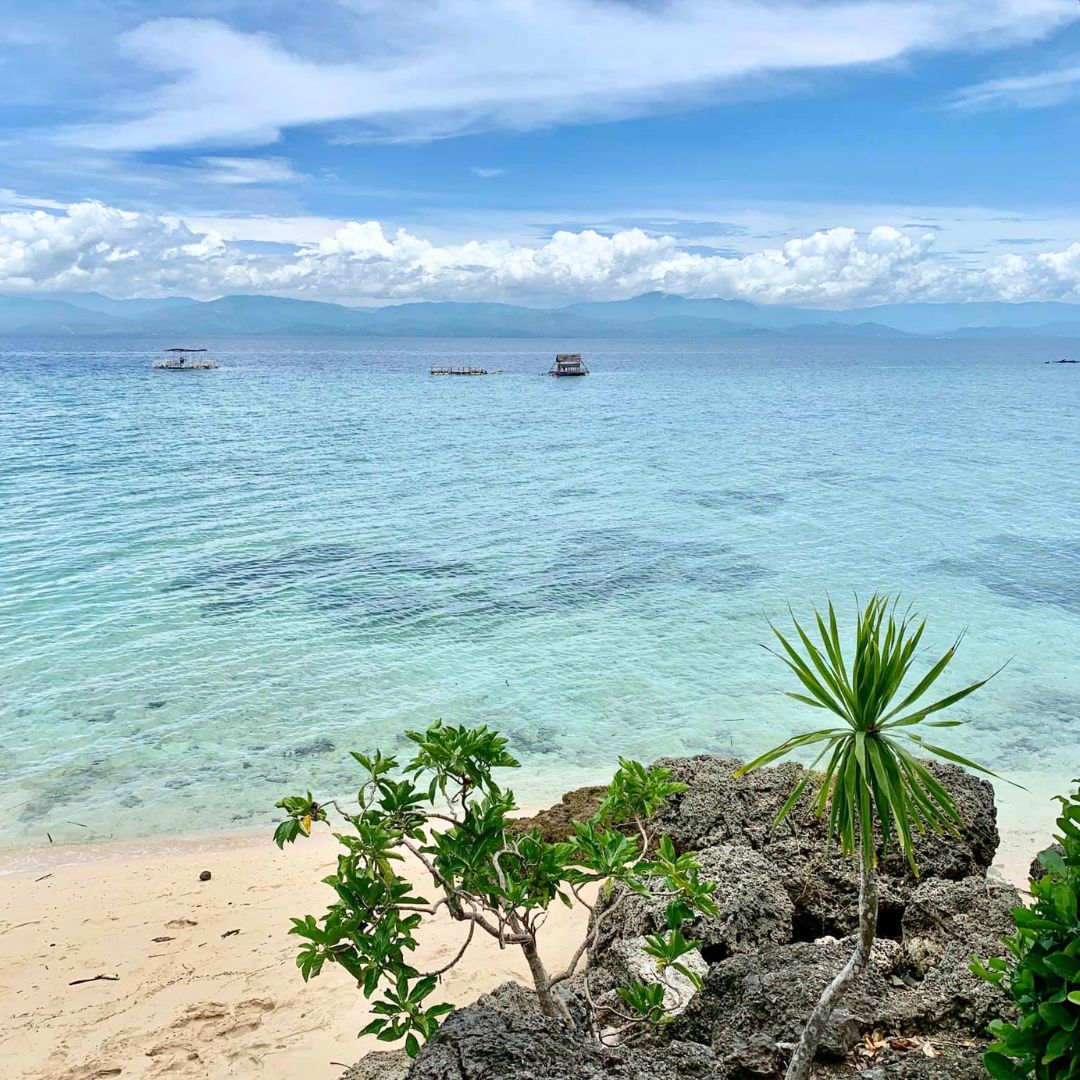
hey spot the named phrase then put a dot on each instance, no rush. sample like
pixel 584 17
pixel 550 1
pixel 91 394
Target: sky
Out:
pixel 832 153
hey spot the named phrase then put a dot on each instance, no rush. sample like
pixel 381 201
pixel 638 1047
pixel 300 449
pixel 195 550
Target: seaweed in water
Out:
pixel 102 716
pixel 339 574
pixel 743 500
pixel 312 747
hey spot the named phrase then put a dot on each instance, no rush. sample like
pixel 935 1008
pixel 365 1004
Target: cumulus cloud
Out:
pixel 444 66
pixel 123 253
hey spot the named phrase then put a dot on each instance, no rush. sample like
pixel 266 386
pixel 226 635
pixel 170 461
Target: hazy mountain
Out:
pixel 657 315
pixel 1044 330
pixel 947 318
pixel 252 315
pixel 665 306
pixel 478 320
pixel 125 309
pixel 934 319
pixel 23 315
pixel 845 330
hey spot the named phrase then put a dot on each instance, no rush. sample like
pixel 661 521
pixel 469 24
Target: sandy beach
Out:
pixel 201 975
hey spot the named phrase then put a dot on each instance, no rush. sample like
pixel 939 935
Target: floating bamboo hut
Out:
pixel 184 359
pixel 568 364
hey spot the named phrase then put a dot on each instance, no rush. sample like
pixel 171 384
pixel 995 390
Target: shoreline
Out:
pixel 1026 813
pixel 202 982
pixel 1016 838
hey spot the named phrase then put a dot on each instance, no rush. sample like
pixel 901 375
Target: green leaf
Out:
pixel 1066 966
pixel 1001 1068
pixel 1056 1046
pixel 1050 860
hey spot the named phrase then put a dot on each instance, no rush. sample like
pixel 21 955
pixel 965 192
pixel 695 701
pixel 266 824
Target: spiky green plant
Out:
pixel 873 781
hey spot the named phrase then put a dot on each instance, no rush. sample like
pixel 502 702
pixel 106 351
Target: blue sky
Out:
pixel 513 149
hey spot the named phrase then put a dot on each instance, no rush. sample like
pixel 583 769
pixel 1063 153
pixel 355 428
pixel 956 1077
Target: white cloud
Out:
pixel 444 66
pixel 247 170
pixel 122 253
pixel 1037 90
pixel 10 199
pixel 486 173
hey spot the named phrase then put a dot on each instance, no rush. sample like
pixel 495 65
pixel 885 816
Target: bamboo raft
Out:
pixel 463 371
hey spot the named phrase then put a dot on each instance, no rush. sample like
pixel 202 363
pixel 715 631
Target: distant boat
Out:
pixel 1062 361
pixel 568 364
pixel 182 359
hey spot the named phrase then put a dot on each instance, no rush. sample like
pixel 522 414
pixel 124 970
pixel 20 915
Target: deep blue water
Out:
pixel 213 585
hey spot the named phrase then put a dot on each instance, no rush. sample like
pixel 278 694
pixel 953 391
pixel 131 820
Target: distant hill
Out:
pixel 947 318
pixel 846 330
pixel 125 309
pixel 22 315
pixel 658 315
pixel 251 315
pixel 1044 330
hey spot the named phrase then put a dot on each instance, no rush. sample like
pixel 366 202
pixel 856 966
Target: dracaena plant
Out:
pixel 874 785
pixel 443 811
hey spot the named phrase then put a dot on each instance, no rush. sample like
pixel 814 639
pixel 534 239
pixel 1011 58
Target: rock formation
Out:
pixel 787 902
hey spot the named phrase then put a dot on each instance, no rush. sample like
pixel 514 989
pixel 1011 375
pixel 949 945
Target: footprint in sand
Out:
pixel 210 1010
pixel 248 1015
pixel 180 924
pixel 221 1020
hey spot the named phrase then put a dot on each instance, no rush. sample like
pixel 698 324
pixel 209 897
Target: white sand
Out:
pixel 205 1006
pixel 200 1004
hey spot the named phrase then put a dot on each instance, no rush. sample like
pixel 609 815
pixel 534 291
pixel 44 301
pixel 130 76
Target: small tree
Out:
pixel 873 784
pixel 1042 972
pixel 445 810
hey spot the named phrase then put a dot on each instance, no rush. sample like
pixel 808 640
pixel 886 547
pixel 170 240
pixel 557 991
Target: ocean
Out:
pixel 214 585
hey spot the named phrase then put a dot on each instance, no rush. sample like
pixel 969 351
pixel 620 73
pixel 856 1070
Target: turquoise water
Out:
pixel 212 586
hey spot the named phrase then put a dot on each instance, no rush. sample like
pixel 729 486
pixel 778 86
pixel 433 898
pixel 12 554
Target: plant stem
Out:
pixel 540 980
pixel 806 1051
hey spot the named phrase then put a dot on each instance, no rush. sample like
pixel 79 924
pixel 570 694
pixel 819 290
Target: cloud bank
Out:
pixel 439 67
pixel 123 254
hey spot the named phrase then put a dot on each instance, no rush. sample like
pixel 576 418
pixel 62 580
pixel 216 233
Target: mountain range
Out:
pixel 658 315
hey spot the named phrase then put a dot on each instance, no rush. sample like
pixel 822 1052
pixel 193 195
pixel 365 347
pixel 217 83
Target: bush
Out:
pixel 444 809
pixel 1042 970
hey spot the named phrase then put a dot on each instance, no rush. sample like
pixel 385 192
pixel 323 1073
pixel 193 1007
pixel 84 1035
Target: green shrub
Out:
pixel 445 811
pixel 873 781
pixel 1042 971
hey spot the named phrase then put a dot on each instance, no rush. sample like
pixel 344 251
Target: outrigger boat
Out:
pixel 182 359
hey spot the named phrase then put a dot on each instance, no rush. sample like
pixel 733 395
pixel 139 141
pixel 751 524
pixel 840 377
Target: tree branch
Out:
pixel 460 953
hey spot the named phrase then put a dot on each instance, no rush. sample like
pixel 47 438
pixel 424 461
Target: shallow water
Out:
pixel 213 585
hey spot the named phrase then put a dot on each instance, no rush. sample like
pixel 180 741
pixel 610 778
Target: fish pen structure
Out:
pixel 568 364
pixel 181 359
pixel 462 371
